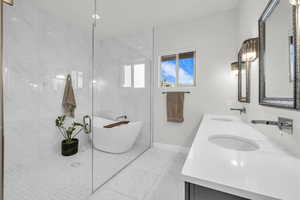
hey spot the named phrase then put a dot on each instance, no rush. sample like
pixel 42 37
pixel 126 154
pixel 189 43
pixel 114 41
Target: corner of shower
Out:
pixel 112 80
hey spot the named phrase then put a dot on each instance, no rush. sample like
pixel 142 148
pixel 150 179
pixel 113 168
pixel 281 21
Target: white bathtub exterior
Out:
pixel 119 139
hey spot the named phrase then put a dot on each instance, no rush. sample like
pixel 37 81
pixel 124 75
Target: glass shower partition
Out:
pixel 44 41
pixel 122 80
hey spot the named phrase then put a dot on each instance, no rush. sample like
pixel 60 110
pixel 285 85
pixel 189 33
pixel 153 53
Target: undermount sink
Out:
pixel 222 119
pixel 234 142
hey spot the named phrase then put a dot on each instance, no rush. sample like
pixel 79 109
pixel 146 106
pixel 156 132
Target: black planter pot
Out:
pixel 69 149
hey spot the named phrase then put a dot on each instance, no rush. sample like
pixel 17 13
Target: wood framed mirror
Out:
pixel 278 81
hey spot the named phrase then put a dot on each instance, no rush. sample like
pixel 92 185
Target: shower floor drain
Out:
pixel 76 164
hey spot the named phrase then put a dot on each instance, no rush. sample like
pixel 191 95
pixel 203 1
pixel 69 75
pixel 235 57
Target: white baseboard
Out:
pixel 173 148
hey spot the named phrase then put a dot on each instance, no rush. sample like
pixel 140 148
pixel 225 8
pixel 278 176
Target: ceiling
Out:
pixel 119 16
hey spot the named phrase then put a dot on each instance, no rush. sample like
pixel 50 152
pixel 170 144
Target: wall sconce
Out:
pixel 250 49
pixel 9 2
pixel 235 68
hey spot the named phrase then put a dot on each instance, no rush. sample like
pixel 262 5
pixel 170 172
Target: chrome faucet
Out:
pixel 284 124
pixel 242 110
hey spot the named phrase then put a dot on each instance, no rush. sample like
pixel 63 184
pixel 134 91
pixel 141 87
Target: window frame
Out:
pixel 132 65
pixel 133 74
pixel 177 53
pixel 123 76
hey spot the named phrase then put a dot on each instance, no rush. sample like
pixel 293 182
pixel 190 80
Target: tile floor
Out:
pixel 63 178
pixel 153 176
pixel 106 164
pixel 58 178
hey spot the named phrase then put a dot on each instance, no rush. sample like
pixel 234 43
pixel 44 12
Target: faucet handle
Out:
pixel 286 125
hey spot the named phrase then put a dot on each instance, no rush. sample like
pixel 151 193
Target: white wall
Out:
pixel 217 39
pixel 249 13
pixel 214 38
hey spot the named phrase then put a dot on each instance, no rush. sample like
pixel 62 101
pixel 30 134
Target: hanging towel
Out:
pixel 175 102
pixel 69 102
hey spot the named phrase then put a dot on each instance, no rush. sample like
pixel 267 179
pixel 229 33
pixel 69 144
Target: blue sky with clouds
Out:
pixel 186 71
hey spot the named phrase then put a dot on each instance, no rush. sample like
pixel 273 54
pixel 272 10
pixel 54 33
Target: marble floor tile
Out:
pixel 155 160
pixel 168 187
pixel 108 195
pixel 133 182
pixel 153 176
pixel 113 163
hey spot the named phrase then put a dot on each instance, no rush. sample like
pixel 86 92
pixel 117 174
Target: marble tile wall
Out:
pixel 112 54
pixel 40 49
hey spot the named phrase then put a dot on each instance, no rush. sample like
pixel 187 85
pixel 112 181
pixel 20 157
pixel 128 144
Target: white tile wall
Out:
pixel 38 46
pixel 112 54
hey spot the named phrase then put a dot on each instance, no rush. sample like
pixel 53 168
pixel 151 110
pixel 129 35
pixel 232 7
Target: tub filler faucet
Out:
pixel 284 124
pixel 121 117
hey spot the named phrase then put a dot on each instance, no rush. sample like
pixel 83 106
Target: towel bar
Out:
pixel 176 91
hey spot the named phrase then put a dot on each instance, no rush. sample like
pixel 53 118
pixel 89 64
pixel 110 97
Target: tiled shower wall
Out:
pixel 40 49
pixel 112 54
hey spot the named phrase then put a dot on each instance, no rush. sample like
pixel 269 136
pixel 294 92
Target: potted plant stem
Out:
pixel 69 145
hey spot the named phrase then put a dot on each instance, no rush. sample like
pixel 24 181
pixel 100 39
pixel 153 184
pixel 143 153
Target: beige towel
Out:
pixel 175 102
pixel 69 103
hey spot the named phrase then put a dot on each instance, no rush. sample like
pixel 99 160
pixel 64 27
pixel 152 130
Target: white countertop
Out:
pixel 265 174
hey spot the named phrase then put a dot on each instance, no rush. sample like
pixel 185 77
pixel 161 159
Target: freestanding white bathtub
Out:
pixel 117 140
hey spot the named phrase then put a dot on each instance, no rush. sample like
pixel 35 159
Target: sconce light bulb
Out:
pixel 235 73
pixel 250 56
pixel 96 16
pixel 295 2
pixel 60 76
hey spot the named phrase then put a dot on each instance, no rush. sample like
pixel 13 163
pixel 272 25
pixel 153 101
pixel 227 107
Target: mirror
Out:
pixel 243 80
pixel 277 55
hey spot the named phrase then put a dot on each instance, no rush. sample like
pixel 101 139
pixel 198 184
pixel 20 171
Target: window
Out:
pixel 139 75
pixel 178 70
pixel 168 71
pixel 134 76
pixel 127 76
